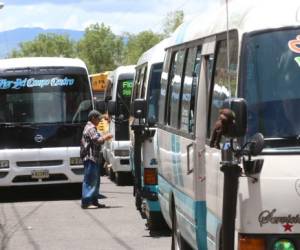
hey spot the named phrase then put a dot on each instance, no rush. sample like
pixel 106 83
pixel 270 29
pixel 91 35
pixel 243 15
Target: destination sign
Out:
pixel 32 82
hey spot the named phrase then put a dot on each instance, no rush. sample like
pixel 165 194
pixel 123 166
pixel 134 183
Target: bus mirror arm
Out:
pixel 253 148
pixel 231 158
pixel 140 108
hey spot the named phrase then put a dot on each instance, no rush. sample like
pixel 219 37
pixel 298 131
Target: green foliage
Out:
pixel 100 48
pixel 48 44
pixel 172 21
pixel 138 44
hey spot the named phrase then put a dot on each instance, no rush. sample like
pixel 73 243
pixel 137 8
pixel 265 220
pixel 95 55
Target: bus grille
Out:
pixel 78 171
pixel 39 163
pixel 28 178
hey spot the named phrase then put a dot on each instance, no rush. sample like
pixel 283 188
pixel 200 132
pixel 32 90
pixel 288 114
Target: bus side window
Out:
pixel 220 88
pixel 135 90
pixel 143 82
pixel 163 89
pixel 189 90
pixel 175 88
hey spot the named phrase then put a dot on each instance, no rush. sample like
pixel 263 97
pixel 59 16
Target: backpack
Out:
pixel 85 146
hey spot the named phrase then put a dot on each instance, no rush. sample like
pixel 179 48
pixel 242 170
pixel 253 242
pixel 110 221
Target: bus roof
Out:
pixel 122 70
pixel 14 63
pixel 155 54
pixel 244 16
pixel 106 73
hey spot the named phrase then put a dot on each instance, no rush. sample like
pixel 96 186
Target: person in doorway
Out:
pixel 91 180
pixel 224 124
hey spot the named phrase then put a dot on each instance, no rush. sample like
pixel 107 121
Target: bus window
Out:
pixel 154 87
pixel 143 82
pixel 221 89
pixel 190 84
pixel 135 90
pixel 175 88
pixel 124 96
pixel 163 89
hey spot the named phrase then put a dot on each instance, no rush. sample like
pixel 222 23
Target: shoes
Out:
pixel 99 205
pixel 90 206
pixel 93 206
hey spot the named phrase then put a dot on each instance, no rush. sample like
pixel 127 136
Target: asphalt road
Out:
pixel 51 218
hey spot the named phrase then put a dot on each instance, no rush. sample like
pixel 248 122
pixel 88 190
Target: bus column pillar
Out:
pixel 232 171
pixel 138 140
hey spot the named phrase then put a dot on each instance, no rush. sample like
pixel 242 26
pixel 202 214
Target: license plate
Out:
pixel 40 174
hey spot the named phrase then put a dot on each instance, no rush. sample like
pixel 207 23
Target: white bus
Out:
pixel 116 151
pixel 264 69
pixel 44 107
pixel 143 150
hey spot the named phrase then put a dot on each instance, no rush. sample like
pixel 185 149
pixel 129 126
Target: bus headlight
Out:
pixel 75 161
pixel 284 244
pixel 4 164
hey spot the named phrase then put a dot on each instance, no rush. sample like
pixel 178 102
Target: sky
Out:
pixel 121 15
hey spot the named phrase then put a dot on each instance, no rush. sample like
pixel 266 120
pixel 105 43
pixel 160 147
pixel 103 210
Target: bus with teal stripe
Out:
pixel 143 134
pixel 255 57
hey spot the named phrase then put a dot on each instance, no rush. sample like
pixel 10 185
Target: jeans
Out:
pixel 91 183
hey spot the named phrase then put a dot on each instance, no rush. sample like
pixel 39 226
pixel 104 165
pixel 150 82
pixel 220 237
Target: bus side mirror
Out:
pixel 239 107
pixel 140 108
pixel 257 143
pixel 101 106
pixel 112 108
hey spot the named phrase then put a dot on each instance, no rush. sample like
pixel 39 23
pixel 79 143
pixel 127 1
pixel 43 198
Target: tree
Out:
pixel 138 44
pixel 48 44
pixel 100 48
pixel 172 21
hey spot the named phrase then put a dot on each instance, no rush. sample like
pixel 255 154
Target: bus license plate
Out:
pixel 40 174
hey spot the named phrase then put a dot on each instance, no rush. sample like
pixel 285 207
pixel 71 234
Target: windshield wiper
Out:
pixel 286 141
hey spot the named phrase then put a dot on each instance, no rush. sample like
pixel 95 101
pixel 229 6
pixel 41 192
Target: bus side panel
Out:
pixel 214 192
pixel 164 197
pixel 176 179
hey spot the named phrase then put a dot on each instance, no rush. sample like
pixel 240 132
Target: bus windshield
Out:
pixel 271 86
pixel 124 96
pixel 44 99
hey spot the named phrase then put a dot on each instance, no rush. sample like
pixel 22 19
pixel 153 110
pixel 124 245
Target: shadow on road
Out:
pixel 40 193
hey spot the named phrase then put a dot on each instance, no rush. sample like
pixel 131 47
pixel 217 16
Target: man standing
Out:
pixel 91 180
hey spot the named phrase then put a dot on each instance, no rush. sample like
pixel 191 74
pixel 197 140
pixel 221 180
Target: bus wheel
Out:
pixel 119 178
pixel 156 222
pixel 178 243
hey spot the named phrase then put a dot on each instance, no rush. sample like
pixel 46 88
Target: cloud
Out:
pixel 121 15
pixel 36 2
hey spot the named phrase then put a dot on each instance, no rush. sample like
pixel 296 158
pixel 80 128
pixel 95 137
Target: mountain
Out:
pixel 10 39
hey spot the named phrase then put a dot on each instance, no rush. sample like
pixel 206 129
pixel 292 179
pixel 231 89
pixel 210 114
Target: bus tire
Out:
pixel 156 222
pixel 178 243
pixel 119 179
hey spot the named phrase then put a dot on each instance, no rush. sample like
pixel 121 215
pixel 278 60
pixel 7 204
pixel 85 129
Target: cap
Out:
pixel 93 114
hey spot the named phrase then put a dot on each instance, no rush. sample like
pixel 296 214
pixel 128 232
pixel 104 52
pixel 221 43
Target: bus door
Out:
pixel 218 79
